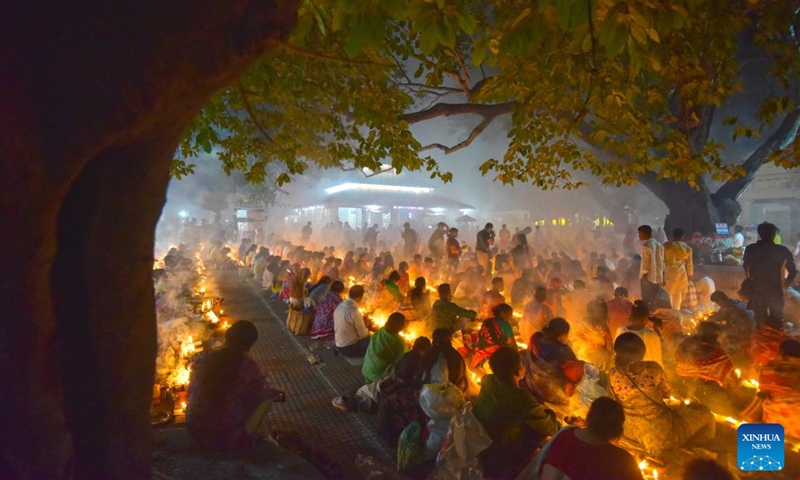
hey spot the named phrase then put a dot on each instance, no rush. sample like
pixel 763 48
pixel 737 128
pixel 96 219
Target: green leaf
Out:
pixel 467 22
pixel 479 51
pixel 429 40
pixel 357 39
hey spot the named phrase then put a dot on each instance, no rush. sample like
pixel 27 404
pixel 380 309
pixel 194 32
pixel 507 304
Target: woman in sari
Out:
pixel 641 387
pixel 229 396
pixel 494 334
pixel 780 378
pixel 765 344
pixel 551 368
pixel 708 371
pixel 323 315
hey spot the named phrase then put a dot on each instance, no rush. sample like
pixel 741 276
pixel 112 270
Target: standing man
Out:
pixel 505 239
pixel 410 240
pixel 651 269
pixel 436 242
pixel 305 234
pixel 349 331
pixel 483 249
pixel 680 269
pixel 764 264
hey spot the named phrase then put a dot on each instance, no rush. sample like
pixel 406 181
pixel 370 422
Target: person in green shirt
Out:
pixel 446 314
pixel 516 423
pixel 386 346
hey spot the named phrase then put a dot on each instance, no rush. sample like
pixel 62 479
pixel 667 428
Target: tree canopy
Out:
pixel 626 91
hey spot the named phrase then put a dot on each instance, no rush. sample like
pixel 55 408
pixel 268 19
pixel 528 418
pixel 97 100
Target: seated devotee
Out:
pixel 523 288
pixel 404 284
pixel 638 325
pixel 535 315
pixel 737 322
pixel 390 284
pixel 575 301
pixel 765 343
pixel 555 294
pixel 260 262
pixel 298 293
pixel 551 368
pixel 420 300
pixel 641 386
pixel 705 469
pixel 495 333
pixel 446 314
pixel 594 336
pixel 350 334
pixel 780 379
pixel 229 396
pixel 492 298
pixel 707 371
pixel 704 287
pixel 323 314
pixel 386 346
pixel 443 362
pixel 398 399
pixel 602 286
pixel 619 309
pixel 587 453
pixel 515 421
pixel 319 291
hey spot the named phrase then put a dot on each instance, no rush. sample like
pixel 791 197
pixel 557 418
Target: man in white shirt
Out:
pixel 350 333
pixel 637 325
pixel 652 267
pixel 738 236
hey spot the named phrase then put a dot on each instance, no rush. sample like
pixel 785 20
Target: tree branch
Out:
pixel 778 140
pixel 311 54
pixel 449 109
pixel 251 114
pixel 467 142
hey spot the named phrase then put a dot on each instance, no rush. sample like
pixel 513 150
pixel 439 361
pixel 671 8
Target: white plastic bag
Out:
pixel 466 439
pixel 589 388
pixel 439 401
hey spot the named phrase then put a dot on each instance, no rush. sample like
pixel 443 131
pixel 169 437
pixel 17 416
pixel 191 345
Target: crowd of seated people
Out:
pixel 573 308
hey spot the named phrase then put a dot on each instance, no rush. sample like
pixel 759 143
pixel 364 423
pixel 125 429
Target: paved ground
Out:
pixel 307 413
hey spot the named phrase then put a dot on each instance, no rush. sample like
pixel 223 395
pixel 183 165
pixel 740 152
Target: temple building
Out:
pixel 384 204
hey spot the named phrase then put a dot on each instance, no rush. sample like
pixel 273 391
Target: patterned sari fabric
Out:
pixel 493 334
pixel 648 420
pixel 764 346
pixel 695 358
pixel 781 378
pixel 323 316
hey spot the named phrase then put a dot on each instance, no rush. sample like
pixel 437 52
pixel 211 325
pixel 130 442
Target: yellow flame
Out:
pixel 202 290
pixel 738 373
pixel 207 305
pixel 642 465
pixel 225 326
pixel 212 317
pixel 187 347
pixel 182 376
pixel 183 405
pixel 517 315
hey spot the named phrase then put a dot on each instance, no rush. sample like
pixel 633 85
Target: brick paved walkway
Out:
pixel 309 388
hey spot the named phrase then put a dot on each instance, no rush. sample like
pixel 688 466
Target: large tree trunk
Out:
pixel 93 101
pixel 690 208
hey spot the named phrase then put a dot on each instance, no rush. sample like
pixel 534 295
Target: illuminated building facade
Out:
pixel 376 203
